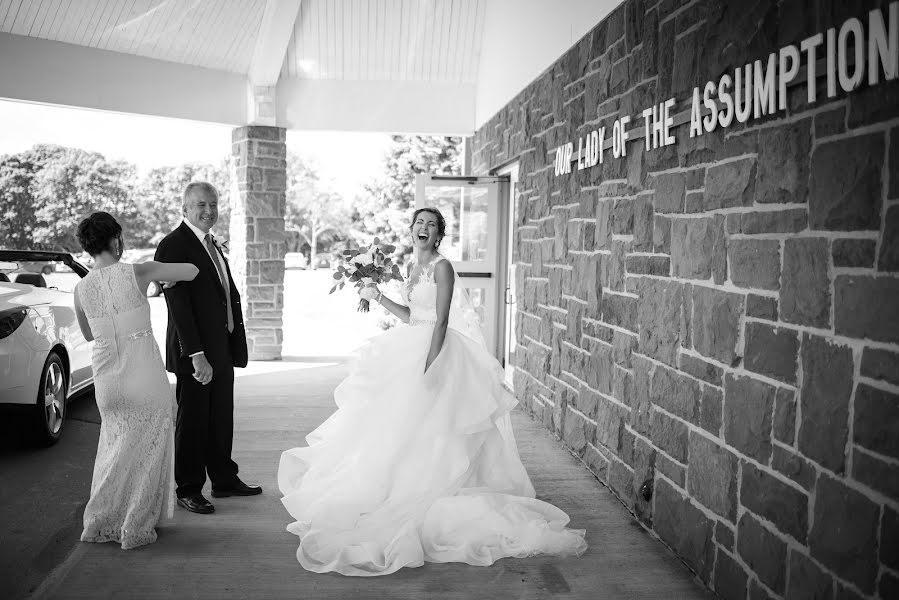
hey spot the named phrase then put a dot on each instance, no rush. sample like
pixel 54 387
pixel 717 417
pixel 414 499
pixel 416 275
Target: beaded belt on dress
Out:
pixel 422 321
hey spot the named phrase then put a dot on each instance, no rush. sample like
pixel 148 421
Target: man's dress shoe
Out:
pixel 238 489
pixel 196 503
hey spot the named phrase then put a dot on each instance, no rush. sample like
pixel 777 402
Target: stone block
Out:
pixel 828 370
pixel 784 428
pixel 781 504
pixel 695 202
pixel 854 252
pixel 763 552
pixel 846 184
pixel 623 216
pixel 643 222
pixel 271 271
pixel 793 466
pixel 576 431
pixel 783 164
pixel 876 474
pixel 603 232
pixel 642 264
pixel 805 283
pixel 258 132
pixel 712 480
pixel 748 406
pixel 876 423
pixel 658 315
pixel 698 248
pixel 717 322
pixel 609 422
pixel 830 122
pixel 866 307
pixel 725 536
pixel 619 310
pixel 888 259
pixel 676 393
pixel 669 192
pixel 880 364
pixel 711 409
pixel 808 581
pixel 754 263
pixel 844 532
pixel 771 351
pixel 730 580
pixel 792 220
pixel 669 434
pixel 661 234
pixel 761 307
pixel 684 527
pixel 700 369
pixel 730 184
pixel 889 538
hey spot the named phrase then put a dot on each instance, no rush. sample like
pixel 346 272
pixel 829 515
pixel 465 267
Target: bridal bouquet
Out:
pixel 364 266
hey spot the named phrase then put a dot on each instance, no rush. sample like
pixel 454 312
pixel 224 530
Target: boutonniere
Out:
pixel 220 244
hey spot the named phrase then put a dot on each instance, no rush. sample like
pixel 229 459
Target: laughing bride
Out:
pixel 419 462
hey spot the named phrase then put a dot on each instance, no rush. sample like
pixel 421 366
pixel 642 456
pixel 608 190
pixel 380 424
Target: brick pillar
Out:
pixel 257 244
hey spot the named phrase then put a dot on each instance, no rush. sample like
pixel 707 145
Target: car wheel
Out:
pixel 47 269
pixel 154 289
pixel 50 410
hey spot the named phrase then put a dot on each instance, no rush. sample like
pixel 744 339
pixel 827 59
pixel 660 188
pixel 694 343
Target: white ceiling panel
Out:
pixel 216 34
pixel 386 40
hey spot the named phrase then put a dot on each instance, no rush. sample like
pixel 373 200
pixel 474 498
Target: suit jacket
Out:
pixel 198 314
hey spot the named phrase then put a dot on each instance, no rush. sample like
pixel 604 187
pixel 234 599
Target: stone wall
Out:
pixel 259 196
pixel 717 321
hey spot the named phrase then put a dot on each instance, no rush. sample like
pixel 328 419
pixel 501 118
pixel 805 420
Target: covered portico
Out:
pixel 268 66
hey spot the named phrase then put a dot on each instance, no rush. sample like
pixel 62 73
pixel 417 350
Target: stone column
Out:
pixel 257 244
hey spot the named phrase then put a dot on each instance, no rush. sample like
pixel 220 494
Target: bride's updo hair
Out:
pixel 97 231
pixel 441 222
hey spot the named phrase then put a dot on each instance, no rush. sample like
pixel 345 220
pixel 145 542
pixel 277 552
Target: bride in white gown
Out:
pixel 419 462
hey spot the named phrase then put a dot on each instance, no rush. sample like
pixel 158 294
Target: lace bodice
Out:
pixel 110 291
pixel 420 295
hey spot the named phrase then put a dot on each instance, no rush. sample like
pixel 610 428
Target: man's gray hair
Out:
pixel 203 186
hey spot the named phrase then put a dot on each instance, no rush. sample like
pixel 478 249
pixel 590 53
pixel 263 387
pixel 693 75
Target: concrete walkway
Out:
pixel 243 550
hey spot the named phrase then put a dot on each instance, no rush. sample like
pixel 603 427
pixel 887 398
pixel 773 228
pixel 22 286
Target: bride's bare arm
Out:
pixel 445 280
pixel 402 312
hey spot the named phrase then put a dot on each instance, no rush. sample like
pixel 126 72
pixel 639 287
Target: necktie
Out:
pixel 214 255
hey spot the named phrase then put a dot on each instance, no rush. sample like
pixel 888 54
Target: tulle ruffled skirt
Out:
pixel 417 467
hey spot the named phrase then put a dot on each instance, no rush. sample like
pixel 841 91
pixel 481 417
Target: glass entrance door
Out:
pixel 473 213
pixel 510 257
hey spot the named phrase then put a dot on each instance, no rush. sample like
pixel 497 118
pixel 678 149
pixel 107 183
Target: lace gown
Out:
pixel 133 481
pixel 417 466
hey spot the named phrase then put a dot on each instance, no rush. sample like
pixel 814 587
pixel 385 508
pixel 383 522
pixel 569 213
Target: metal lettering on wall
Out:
pixel 756 89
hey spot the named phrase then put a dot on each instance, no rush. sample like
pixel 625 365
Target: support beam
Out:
pixel 275 30
pixel 36 70
pixel 384 106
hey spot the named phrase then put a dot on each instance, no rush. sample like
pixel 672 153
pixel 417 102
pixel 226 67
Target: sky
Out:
pixel 348 159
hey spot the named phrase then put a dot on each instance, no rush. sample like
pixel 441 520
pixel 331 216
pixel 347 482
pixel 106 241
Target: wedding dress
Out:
pixel 416 466
pixel 133 481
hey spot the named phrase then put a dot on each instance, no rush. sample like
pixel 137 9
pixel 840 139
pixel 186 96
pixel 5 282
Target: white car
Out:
pixel 44 358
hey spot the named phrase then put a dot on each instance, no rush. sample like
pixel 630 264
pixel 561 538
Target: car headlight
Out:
pixel 10 320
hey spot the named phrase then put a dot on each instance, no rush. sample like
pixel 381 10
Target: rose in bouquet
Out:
pixel 364 266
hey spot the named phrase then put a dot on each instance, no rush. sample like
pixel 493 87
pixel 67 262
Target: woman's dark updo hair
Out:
pixel 97 231
pixel 441 222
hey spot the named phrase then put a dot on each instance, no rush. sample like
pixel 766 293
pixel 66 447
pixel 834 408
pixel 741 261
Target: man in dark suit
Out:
pixel 205 340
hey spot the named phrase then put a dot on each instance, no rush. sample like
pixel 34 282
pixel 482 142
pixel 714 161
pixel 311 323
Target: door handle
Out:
pixel 508 298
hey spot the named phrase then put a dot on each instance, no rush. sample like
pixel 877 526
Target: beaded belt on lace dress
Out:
pixel 422 321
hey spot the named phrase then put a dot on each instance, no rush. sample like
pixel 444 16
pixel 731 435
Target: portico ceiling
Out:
pixel 373 65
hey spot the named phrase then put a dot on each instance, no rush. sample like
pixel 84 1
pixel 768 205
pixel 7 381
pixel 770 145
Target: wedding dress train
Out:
pixel 417 466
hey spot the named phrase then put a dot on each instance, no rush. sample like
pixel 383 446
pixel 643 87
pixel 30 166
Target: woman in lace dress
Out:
pixel 419 462
pixel 133 482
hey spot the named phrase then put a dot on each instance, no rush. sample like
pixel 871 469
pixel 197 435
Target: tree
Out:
pixel 312 207
pixel 383 210
pixel 71 184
